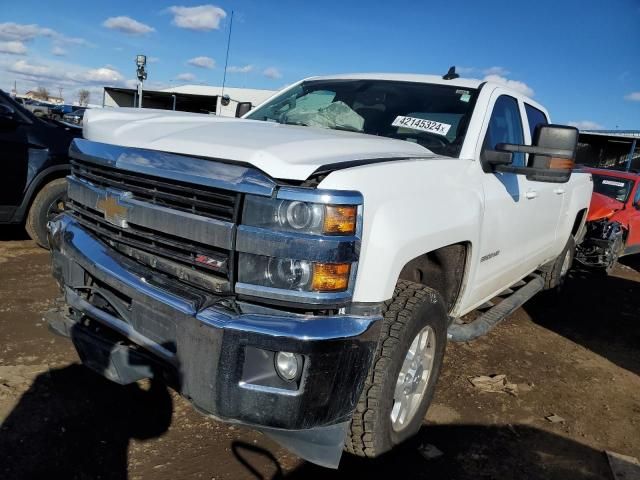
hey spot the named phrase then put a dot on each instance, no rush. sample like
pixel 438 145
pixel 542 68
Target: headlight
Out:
pixel 290 274
pixel 302 217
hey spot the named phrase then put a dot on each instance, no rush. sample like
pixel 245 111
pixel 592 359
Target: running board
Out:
pixel 488 320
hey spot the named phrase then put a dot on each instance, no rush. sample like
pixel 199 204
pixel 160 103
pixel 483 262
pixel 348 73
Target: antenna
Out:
pixel 451 74
pixel 226 62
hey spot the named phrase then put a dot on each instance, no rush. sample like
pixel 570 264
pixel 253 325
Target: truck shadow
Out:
pixel 72 423
pixel 601 313
pixel 468 452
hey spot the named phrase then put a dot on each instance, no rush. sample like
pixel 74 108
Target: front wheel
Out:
pixel 49 202
pixel 402 380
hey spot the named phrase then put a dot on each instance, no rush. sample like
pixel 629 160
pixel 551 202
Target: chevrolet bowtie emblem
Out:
pixel 114 213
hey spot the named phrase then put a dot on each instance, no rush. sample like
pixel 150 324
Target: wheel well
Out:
pixel 37 185
pixel 442 269
pixel 578 224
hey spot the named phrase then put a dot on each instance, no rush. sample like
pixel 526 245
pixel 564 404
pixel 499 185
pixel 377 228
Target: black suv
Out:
pixel 33 165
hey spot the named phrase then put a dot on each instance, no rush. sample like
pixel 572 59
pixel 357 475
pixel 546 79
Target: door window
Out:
pixel 535 118
pixel 505 126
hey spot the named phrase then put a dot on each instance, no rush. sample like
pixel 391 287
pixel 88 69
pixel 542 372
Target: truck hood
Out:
pixel 602 207
pixel 281 151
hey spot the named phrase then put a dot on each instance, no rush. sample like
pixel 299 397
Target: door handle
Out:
pixel 558 191
pixel 531 194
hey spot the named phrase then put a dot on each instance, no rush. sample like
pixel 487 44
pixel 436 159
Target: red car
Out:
pixel 613 221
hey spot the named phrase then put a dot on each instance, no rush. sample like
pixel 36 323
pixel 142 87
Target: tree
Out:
pixel 42 93
pixel 83 97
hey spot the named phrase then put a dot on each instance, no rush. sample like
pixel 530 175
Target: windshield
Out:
pixel 434 116
pixel 613 187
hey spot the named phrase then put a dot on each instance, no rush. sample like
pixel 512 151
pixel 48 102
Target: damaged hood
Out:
pixel 602 207
pixel 281 151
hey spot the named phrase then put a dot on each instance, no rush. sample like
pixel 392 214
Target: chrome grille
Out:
pixel 204 265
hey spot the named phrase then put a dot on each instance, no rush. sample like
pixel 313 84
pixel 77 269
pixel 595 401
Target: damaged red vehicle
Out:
pixel 613 221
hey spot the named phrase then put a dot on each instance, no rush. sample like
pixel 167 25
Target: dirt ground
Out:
pixel 576 355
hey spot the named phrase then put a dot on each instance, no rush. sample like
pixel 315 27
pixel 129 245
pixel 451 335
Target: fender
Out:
pixel 34 187
pixel 398 224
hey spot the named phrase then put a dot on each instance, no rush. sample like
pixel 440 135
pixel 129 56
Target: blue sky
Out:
pixel 579 58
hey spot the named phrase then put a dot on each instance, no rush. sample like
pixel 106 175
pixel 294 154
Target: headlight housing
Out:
pixel 300 217
pixel 291 274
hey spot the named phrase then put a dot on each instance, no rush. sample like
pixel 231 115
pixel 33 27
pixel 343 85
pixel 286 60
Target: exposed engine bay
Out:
pixel 603 243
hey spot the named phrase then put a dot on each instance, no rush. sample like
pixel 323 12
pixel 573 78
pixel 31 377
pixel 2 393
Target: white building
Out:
pixel 236 95
pixel 188 98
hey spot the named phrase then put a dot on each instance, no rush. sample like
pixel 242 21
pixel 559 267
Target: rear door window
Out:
pixel 535 117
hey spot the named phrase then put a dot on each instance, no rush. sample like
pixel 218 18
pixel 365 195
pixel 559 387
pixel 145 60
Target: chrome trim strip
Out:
pixel 315 248
pixel 199 171
pixel 327 197
pixel 294 296
pixel 208 231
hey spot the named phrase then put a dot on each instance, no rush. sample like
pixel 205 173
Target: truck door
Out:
pixel 546 198
pixel 14 154
pixel 509 224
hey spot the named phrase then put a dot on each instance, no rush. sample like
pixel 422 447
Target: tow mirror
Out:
pixel 242 108
pixel 552 155
pixel 7 115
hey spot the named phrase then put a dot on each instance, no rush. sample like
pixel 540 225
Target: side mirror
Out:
pixel 552 157
pixel 7 116
pixel 242 108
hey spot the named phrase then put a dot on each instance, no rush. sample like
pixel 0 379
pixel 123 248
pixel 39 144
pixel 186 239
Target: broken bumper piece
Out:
pixel 128 323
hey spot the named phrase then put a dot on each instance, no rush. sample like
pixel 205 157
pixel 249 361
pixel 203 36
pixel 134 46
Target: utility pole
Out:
pixel 60 93
pixel 226 61
pixel 141 73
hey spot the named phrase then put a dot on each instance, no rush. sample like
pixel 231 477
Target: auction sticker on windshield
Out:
pixel 613 183
pixel 421 124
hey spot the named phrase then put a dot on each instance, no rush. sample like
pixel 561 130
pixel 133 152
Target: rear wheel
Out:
pixel 49 202
pixel 554 273
pixel 402 379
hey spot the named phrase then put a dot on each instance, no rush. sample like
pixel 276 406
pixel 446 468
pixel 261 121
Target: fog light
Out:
pixel 287 365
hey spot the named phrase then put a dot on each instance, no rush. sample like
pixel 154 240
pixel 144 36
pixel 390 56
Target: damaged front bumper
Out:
pixel 602 245
pixel 129 322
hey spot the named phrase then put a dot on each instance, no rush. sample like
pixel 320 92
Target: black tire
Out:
pixel 553 273
pixel 48 203
pixel 412 308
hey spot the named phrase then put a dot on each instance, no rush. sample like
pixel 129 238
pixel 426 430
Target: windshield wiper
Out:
pixel 301 124
pixel 346 129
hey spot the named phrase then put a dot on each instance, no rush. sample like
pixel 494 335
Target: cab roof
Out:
pixel 613 173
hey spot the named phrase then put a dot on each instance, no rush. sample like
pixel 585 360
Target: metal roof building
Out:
pixel 186 98
pixel 615 149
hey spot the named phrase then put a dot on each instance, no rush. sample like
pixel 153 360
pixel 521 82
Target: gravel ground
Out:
pixel 576 356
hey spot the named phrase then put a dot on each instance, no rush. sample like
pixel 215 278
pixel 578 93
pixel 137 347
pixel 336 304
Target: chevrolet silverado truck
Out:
pixel 301 269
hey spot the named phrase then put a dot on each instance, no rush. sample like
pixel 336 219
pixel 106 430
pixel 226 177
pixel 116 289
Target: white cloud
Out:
pixel 202 62
pixel 153 59
pixel 203 17
pixel 65 74
pixel 272 72
pixel 127 25
pixel 465 70
pixel 101 75
pixel 586 125
pixel 24 33
pixel 58 51
pixel 633 97
pixel 13 47
pixel 501 71
pixel 244 69
pixel 513 84
pixel 186 77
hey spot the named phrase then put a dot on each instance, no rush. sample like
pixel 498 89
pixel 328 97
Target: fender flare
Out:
pixel 34 187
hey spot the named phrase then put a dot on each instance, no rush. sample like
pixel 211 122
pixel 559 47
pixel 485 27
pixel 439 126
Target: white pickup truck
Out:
pixel 301 269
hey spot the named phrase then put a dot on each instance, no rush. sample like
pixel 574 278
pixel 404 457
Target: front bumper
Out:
pixel 213 352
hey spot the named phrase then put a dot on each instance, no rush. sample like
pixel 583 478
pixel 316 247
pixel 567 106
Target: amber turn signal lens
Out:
pixel 561 163
pixel 340 219
pixel 330 277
